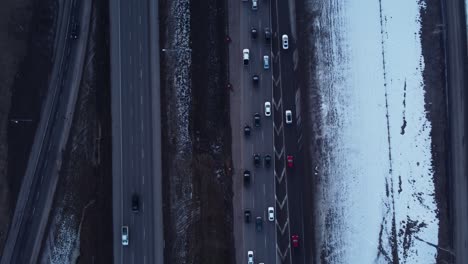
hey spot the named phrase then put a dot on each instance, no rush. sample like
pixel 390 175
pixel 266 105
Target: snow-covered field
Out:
pixel 376 193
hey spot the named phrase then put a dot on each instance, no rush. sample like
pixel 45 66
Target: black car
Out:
pixel 74 31
pixel 247 130
pixel 246 176
pixel 256 159
pixel 258 224
pixel 255 79
pixel 253 32
pixel 135 203
pixel 247 215
pixel 257 119
pixel 267 35
pixel 267 160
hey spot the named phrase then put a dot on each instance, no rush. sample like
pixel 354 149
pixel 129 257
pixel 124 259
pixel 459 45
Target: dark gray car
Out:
pixel 259 224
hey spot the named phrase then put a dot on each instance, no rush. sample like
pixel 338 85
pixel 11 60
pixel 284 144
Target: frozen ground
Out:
pixel 375 198
pixel 176 62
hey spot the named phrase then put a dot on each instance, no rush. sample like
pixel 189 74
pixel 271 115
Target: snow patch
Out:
pixel 376 195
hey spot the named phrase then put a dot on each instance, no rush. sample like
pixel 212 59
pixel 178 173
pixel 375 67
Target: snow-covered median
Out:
pixel 376 194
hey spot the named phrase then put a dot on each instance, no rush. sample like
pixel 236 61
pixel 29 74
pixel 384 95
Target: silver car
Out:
pixel 267 108
pixel 285 41
pixel 266 62
pixel 271 214
pixel 125 235
pixel 254 4
pixel 245 56
pixel 250 257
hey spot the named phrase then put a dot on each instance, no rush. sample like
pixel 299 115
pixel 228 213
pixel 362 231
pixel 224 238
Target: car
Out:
pixel 255 79
pixel 247 215
pixel 290 161
pixel 266 62
pixel 75 30
pixel 258 224
pixel 267 35
pixel 250 257
pixel 253 32
pixel 247 130
pixel 267 160
pixel 295 240
pixel 246 176
pixel 257 119
pixel 288 114
pixel 254 4
pixel 245 56
pixel 267 108
pixel 256 159
pixel 125 235
pixel 271 214
pixel 285 41
pixel 135 203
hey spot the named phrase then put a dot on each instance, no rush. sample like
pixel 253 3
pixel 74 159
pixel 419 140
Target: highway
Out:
pixel 259 194
pixel 287 91
pixel 278 186
pixel 456 56
pixel 136 130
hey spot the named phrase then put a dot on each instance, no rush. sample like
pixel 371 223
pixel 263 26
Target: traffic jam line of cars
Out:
pixel 267 159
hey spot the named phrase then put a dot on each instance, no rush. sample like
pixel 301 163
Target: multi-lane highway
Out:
pixel 136 130
pixel 259 194
pixel 277 186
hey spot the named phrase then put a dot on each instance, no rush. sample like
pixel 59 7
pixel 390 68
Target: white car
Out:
pixel 267 109
pixel 250 257
pixel 271 214
pixel 285 41
pixel 288 114
pixel 266 62
pixel 254 4
pixel 245 56
pixel 125 235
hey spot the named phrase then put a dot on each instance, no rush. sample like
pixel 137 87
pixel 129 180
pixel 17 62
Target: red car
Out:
pixel 295 240
pixel 290 160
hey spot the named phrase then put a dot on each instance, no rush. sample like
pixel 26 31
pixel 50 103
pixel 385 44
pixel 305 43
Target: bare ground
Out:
pixel 436 98
pixel 81 220
pixel 198 181
pixel 26 30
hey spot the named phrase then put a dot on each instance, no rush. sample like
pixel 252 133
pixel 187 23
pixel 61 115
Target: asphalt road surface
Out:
pixel 277 186
pixel 136 130
pixel 287 97
pixel 456 52
pixel 259 194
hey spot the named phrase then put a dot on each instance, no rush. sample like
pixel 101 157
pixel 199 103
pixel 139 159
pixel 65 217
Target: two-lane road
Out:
pixel 287 97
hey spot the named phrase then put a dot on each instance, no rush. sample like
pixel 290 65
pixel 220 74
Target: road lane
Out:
pixel 135 79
